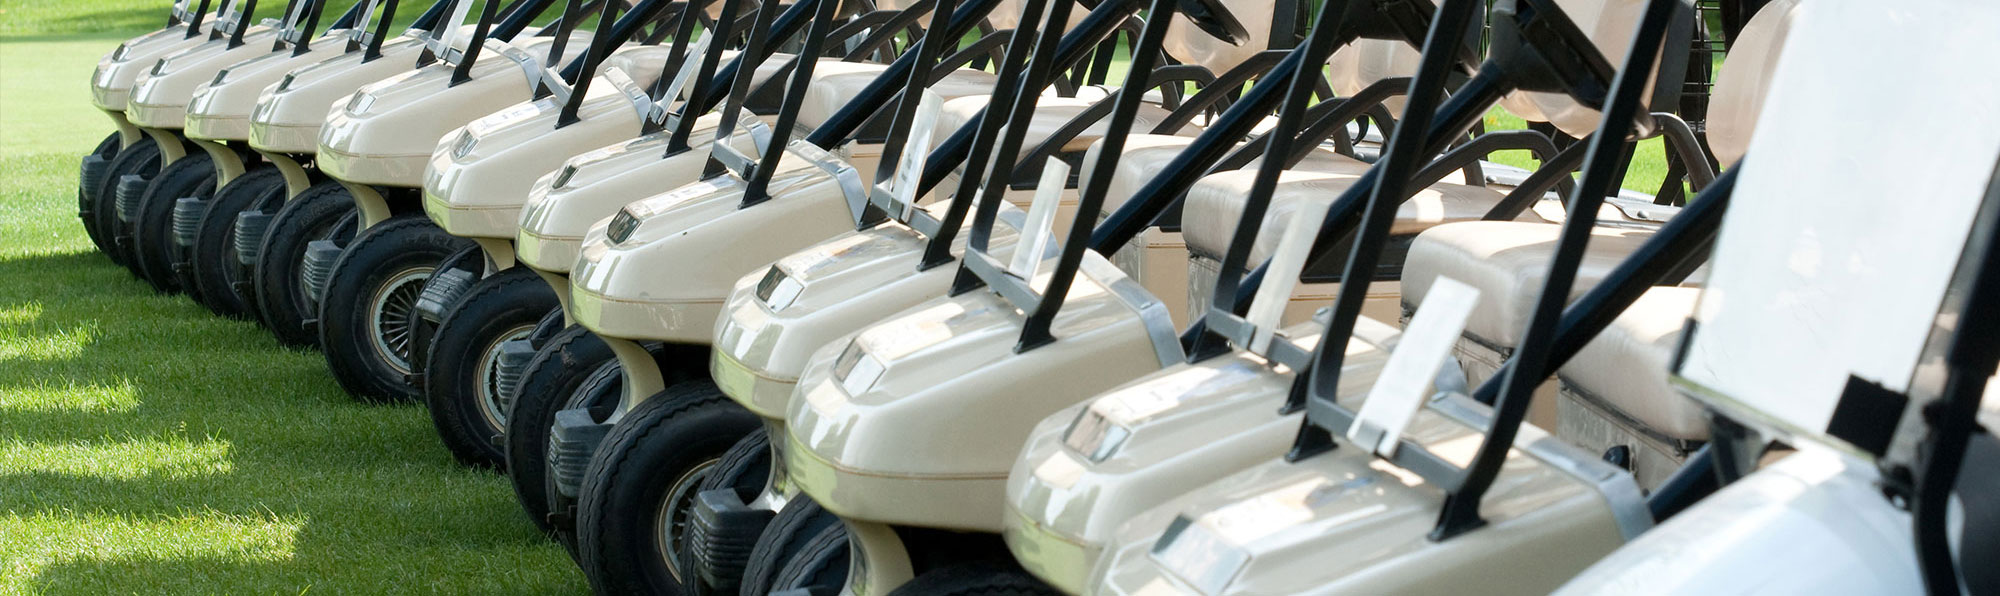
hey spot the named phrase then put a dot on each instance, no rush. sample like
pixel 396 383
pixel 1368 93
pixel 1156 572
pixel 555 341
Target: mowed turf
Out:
pixel 147 446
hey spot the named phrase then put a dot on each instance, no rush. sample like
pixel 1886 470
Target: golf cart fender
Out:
pixel 766 336
pixel 1816 506
pixel 385 132
pixel 480 176
pixel 592 186
pixel 930 439
pixel 160 98
pixel 1089 468
pixel 111 84
pixel 1348 522
pixel 682 252
pixel 289 114
pixel 220 108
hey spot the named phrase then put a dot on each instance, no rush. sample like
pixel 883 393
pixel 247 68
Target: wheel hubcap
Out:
pixel 676 511
pixel 392 316
pixel 488 375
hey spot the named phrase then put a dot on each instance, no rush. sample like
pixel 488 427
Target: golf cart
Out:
pixel 110 89
pixel 218 121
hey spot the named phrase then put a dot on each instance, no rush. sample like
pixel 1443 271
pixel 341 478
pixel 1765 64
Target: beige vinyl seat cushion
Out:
pixel 1507 261
pixel 1215 203
pixel 1051 114
pixel 1625 367
pixel 836 82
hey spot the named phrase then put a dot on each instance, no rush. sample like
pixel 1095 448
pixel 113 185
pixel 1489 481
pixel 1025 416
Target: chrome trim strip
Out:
pixel 1152 312
pixel 1621 493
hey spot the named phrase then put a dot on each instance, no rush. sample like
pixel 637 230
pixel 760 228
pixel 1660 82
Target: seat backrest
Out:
pixel 1007 14
pixel 1366 61
pixel 1745 75
pixel 1609 24
pixel 1189 44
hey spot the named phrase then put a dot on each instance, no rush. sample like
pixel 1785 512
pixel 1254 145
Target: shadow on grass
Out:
pixel 383 506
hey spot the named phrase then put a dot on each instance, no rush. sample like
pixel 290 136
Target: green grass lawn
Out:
pixel 149 447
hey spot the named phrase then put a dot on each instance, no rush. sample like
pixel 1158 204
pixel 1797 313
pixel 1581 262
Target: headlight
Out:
pixel 219 76
pixel 1094 436
pixel 284 84
pixel 463 146
pixel 777 289
pixel 360 102
pixel 622 226
pixel 562 177
pixel 118 55
pixel 856 369
pixel 159 66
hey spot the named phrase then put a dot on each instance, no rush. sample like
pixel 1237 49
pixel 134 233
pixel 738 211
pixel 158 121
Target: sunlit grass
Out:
pixel 136 458
pixel 54 396
pixel 149 447
pixel 41 541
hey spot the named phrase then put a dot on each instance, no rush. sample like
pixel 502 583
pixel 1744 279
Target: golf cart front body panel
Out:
pixel 1090 468
pixel 681 253
pixel 385 133
pixel 111 84
pixel 822 294
pixel 591 187
pixel 220 109
pixel 1815 510
pixel 480 176
pixel 289 115
pixel 160 98
pixel 950 400
pixel 1348 522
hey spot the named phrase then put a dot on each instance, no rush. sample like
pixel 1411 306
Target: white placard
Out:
pixel 1035 232
pixel 676 86
pixel 450 34
pixel 1268 307
pixel 910 169
pixel 1421 350
pixel 1832 264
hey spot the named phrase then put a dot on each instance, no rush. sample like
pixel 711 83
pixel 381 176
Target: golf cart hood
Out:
pixel 480 175
pixel 385 132
pixel 289 114
pixel 111 84
pixel 564 204
pixel 778 316
pixel 1348 522
pixel 917 419
pixel 1089 468
pixel 1817 509
pixel 160 96
pixel 220 109
pixel 678 255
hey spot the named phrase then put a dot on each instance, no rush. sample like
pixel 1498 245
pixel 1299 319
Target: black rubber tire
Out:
pixel 599 394
pixel 659 444
pixel 820 565
pixel 471 259
pixel 142 159
pixel 744 470
pixel 797 525
pixel 281 301
pixel 981 578
pixel 559 368
pixel 86 190
pixel 509 302
pixel 152 227
pixel 406 248
pixel 213 268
